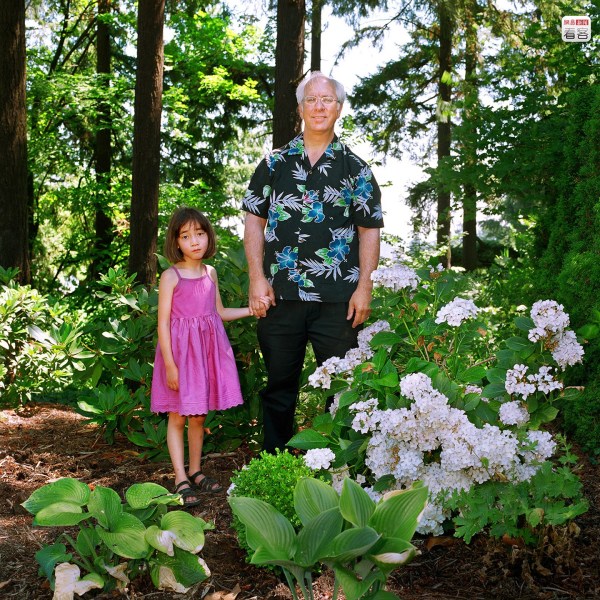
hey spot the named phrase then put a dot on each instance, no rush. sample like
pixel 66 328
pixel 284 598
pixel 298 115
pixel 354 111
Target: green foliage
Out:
pixel 41 347
pixel 117 540
pixel 271 478
pixel 362 542
pixel 551 498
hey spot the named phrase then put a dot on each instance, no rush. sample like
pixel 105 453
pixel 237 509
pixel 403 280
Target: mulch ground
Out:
pixel 47 442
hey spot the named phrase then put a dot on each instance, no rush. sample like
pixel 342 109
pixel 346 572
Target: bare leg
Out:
pixel 175 431
pixel 195 443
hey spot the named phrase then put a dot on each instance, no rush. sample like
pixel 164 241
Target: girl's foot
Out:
pixel 204 483
pixel 186 491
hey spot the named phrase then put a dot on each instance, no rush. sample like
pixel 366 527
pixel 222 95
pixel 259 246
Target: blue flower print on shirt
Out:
pixel 363 188
pixel 345 199
pixel 286 259
pixel 309 196
pixel 313 212
pixel 338 249
pixel 276 214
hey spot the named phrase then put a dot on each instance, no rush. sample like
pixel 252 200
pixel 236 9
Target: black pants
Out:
pixel 282 336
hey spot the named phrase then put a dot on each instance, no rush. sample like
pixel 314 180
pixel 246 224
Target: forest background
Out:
pixel 105 127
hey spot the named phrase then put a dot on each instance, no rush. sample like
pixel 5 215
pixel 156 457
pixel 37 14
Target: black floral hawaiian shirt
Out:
pixel 312 212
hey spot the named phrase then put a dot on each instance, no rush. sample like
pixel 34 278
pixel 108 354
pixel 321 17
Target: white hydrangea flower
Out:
pixel 544 380
pixel 456 311
pixel 396 278
pixel 365 418
pixel 473 389
pixel 513 413
pixel 549 315
pixel 319 458
pixel 517 381
pixel 567 351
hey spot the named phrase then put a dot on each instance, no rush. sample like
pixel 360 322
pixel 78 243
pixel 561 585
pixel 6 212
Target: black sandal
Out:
pixel 206 484
pixel 186 493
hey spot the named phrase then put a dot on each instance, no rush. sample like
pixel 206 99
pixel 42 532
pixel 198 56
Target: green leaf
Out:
pixel 105 506
pixel 518 344
pixel 472 375
pixel 496 375
pixel 265 526
pixel 418 365
pixel 179 572
pixel 396 516
pixel 385 338
pixel 493 390
pixel 351 544
pixel 355 504
pixel 588 332
pixel 67 490
pixel 312 497
pixel 142 495
pixel 49 556
pixel 354 588
pixel 524 323
pixel 308 439
pixel 126 537
pixel 187 529
pixel 316 535
pixel 60 514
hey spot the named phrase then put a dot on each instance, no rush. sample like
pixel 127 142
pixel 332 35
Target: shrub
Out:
pixel 271 478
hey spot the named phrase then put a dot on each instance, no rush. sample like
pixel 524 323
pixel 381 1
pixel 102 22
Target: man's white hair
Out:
pixel 340 92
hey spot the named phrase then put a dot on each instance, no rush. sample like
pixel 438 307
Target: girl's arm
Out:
pixel 168 281
pixel 227 314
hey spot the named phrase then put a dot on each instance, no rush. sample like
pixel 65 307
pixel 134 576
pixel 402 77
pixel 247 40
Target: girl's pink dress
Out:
pixel 208 378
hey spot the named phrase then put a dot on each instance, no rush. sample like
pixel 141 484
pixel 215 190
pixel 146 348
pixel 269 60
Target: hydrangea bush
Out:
pixel 430 394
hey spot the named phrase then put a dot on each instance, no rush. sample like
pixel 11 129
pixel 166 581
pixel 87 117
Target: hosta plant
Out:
pixel 117 541
pixel 360 540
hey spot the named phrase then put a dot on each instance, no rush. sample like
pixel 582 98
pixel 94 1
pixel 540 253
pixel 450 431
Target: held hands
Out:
pixel 265 301
pixel 261 297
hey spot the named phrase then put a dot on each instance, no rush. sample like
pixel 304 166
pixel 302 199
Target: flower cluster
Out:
pixel 518 382
pixel 355 356
pixel 437 443
pixel 457 311
pixel 319 458
pixel 397 277
pixel 551 323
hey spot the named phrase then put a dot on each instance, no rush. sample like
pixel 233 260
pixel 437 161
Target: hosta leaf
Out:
pixel 355 504
pixel 105 505
pixel 351 544
pixel 179 572
pixel 187 529
pixel 63 490
pixel 126 537
pixel 312 497
pixel 396 516
pixel 49 556
pixel 60 514
pixel 316 535
pixel 142 495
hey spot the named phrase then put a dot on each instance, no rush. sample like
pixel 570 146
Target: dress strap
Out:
pixel 176 271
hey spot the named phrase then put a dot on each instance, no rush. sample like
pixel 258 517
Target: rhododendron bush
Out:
pixel 432 394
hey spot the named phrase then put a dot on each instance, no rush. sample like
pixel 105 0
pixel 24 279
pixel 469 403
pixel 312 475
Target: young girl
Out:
pixel 194 368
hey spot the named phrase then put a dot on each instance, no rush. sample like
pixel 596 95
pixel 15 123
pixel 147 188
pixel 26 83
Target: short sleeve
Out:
pixel 368 212
pixel 256 199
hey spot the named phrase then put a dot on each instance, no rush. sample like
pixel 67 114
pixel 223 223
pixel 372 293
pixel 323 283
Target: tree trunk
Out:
pixel 289 65
pixel 102 222
pixel 315 35
pixel 444 127
pixel 14 245
pixel 469 241
pixel 146 141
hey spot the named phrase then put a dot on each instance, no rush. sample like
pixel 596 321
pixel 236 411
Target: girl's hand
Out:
pixel 173 378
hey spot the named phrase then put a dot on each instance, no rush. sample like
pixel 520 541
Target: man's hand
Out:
pixel 359 306
pixel 260 297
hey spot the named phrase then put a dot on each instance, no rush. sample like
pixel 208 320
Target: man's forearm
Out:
pixel 254 245
pixel 368 254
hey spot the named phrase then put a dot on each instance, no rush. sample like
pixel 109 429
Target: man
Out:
pixel 313 215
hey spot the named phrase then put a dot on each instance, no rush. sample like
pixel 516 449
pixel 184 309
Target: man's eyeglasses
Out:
pixel 325 100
